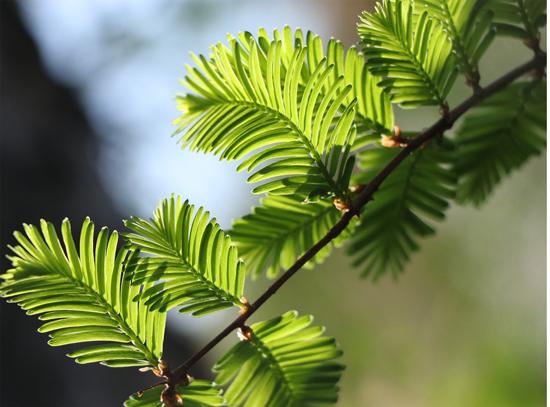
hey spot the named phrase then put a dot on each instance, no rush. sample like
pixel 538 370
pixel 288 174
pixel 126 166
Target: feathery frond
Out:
pixel 193 262
pixel 373 110
pixel 280 230
pixel 518 18
pixel 285 362
pixel 83 296
pixel 259 99
pixel 411 52
pixel 498 136
pixel 198 393
pixel 390 226
pixel 468 28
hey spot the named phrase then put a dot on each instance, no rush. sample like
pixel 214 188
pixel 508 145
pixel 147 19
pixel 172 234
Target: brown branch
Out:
pixel 364 196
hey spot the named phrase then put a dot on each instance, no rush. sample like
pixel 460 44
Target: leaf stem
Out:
pixel 365 195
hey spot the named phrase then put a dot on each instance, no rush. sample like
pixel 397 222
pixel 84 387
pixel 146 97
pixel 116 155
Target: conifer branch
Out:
pixel 363 196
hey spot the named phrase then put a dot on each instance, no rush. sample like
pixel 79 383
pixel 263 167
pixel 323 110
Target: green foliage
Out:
pixel 286 106
pixel 295 113
pixel 83 296
pixel 247 103
pixel 411 51
pixel 193 262
pixel 499 136
pixel 417 191
pixel 519 18
pixel 374 114
pixel 198 393
pixel 373 109
pixel 467 27
pixel 280 230
pixel 286 362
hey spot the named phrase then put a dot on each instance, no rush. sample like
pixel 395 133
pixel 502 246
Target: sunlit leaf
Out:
pixel 190 259
pixel 286 362
pixel 282 229
pixel 81 294
pixel 410 50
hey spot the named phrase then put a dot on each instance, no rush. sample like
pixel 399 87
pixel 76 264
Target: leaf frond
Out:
pixel 520 19
pixel 499 136
pixel 374 113
pixel 80 292
pixel 192 263
pixel 410 51
pixel 284 106
pixel 286 362
pixel 417 192
pixel 373 109
pixel 467 26
pixel 282 229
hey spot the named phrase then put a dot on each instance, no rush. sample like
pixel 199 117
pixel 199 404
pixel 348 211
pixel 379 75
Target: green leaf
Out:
pixel 499 136
pixel 198 393
pixel 281 230
pixel 287 362
pixel 82 295
pixel 262 99
pixel 467 27
pixel 412 52
pixel 518 18
pixel 373 112
pixel 416 192
pixel 193 263
pixel 373 109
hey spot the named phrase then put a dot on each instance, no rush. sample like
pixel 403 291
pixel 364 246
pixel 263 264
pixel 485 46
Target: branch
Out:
pixel 437 129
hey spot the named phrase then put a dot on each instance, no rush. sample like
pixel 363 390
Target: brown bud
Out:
pixel 245 333
pixel 170 397
pixel 245 307
pixel 163 370
pixel 341 205
pixel 390 141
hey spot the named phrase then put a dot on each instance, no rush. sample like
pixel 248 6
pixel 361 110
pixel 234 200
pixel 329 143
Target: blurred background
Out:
pixel 87 99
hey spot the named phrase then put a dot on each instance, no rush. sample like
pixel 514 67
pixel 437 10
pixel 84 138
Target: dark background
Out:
pixel 48 170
